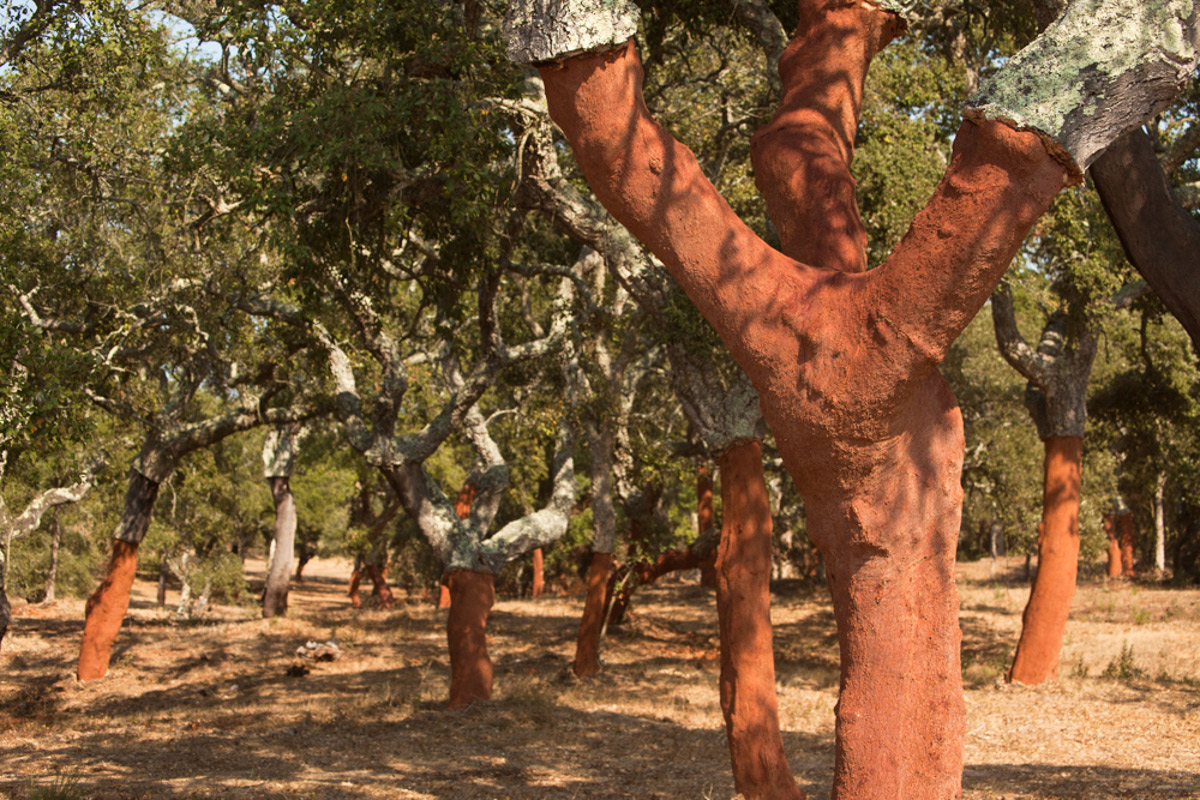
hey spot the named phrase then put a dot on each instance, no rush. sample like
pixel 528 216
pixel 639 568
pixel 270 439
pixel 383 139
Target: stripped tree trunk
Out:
pixel 1128 527
pixel 1045 620
pixel 539 575
pixel 1114 545
pixel 587 644
pixel 107 606
pixel 844 360
pixel 472 595
pixel 704 521
pixel 760 767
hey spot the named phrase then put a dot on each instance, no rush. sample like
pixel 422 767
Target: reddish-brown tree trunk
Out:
pixel 472 596
pixel 382 591
pixel 105 610
pixel 1114 546
pixel 704 521
pixel 107 606
pixel 587 645
pixel 760 767
pixel 539 574
pixel 352 590
pixel 1045 619
pixel 443 595
pixel 1128 528
pixel 300 563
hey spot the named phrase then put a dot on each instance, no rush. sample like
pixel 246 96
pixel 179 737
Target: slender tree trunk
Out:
pixel 107 606
pixel 539 574
pixel 275 598
pixel 164 571
pixel 1114 545
pixel 300 564
pixel 704 521
pixel 1045 620
pixel 55 542
pixel 473 594
pixel 760 766
pixel 352 590
pixel 587 645
pixel 1160 525
pixel 1128 528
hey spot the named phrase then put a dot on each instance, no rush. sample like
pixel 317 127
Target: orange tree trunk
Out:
pixel 382 590
pixel 352 589
pixel 1045 619
pixel 704 520
pixel 105 610
pixel 587 645
pixel 1114 546
pixel 539 574
pixel 107 606
pixel 1128 528
pixel 472 596
pixel 760 767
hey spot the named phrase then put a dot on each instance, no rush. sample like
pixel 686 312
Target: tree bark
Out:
pixel 1160 238
pixel 587 644
pixel 105 610
pixel 55 542
pixel 473 594
pixel 760 767
pixel 108 604
pixel 1128 528
pixel 352 589
pixel 1114 545
pixel 462 509
pixel 704 521
pixel 1045 620
pixel 275 598
pixel 539 575
pixel 383 592
pixel 1160 525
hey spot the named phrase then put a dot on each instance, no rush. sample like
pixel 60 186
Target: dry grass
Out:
pixel 207 710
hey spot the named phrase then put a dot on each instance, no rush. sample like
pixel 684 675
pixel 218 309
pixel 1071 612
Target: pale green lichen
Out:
pixel 905 9
pixel 541 31
pixel 1095 45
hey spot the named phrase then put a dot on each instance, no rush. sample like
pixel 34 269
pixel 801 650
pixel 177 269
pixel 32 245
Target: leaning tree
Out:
pixel 844 359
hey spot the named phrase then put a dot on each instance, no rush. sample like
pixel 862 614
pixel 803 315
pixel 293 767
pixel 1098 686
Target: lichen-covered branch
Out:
pixel 1103 68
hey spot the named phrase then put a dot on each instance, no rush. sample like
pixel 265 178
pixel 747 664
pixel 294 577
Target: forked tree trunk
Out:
pixel 1114 545
pixel 845 360
pixel 275 598
pixel 587 644
pixel 760 767
pixel 383 592
pixel 108 604
pixel 1045 620
pixel 539 574
pixel 472 595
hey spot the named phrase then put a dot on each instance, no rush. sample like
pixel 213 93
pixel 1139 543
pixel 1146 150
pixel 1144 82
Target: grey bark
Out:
pixel 1101 69
pixel 1057 374
pixel 1160 523
pixel 1160 238
pixel 540 31
pixel 138 508
pixel 55 543
pixel 279 458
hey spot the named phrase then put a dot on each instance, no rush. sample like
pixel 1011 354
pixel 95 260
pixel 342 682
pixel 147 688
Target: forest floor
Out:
pixel 206 708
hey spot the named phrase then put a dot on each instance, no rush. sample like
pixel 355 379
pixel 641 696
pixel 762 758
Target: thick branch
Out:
pixel 1160 238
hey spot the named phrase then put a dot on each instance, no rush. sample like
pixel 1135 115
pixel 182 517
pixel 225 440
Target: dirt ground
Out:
pixel 207 708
